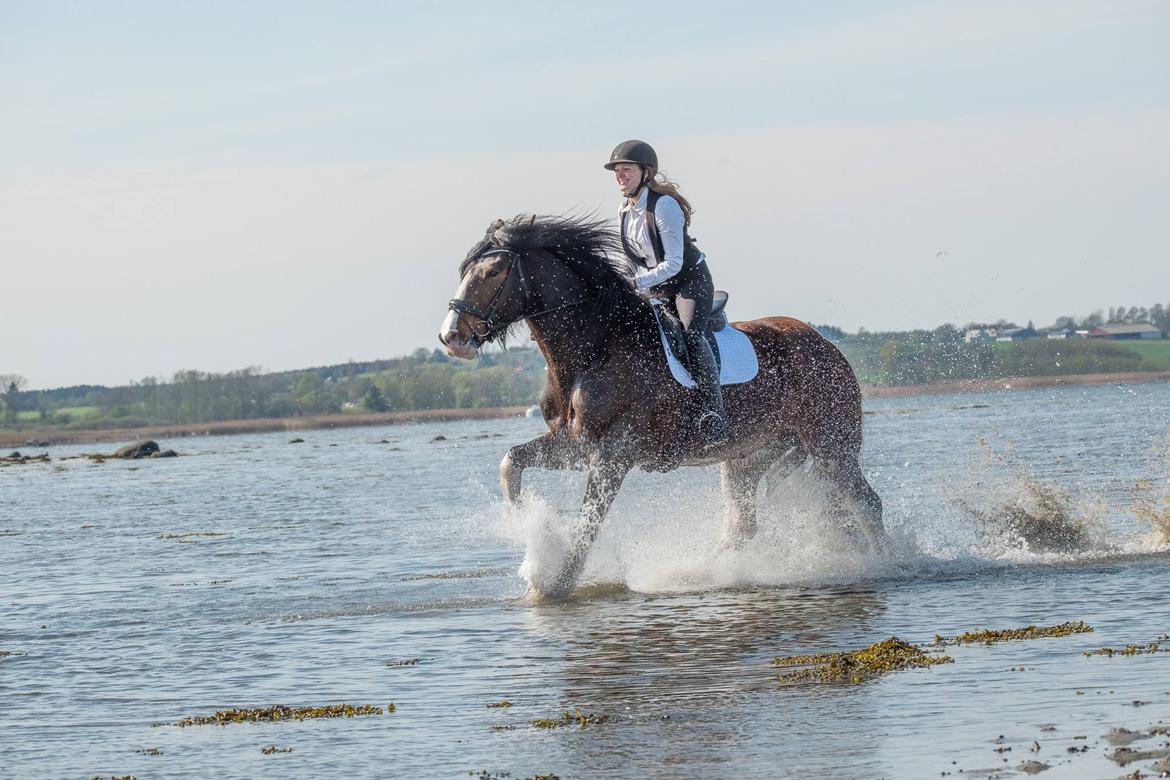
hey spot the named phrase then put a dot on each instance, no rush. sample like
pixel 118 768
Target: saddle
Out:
pixel 672 327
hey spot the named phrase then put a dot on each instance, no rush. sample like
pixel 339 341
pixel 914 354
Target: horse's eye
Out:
pixel 493 272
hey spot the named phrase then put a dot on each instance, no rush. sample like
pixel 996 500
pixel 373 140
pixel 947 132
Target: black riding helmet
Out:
pixel 633 151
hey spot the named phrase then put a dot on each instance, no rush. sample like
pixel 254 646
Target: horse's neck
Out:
pixel 568 348
pixel 572 344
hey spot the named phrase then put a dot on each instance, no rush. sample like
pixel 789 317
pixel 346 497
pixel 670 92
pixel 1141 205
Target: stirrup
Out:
pixel 713 429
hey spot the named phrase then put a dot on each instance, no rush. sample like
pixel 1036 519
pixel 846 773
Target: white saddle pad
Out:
pixel 737 357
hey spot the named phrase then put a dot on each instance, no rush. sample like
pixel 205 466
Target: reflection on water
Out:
pixel 641 653
pixel 254 572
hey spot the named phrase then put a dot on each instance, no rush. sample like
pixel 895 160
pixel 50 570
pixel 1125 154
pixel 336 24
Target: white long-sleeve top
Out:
pixel 671 222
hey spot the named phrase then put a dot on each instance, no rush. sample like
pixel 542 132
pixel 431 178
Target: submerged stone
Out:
pixel 143 448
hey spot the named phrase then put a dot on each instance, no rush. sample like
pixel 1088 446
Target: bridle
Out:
pixel 488 326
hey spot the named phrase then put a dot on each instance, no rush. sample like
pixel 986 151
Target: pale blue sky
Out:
pixel 217 185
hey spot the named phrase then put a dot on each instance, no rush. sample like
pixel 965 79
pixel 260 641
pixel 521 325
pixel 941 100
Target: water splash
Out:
pixel 1014 510
pixel 669 541
pixel 663 534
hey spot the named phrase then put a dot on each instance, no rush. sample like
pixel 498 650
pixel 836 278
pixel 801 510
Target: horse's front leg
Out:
pixel 604 477
pixel 548 451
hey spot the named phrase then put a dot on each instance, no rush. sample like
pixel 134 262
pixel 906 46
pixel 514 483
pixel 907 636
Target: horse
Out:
pixel 609 399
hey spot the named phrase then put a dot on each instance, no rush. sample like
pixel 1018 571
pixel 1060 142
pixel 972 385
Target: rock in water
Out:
pixel 138 449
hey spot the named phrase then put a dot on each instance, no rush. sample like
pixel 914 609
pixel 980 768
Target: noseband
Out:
pixel 488 326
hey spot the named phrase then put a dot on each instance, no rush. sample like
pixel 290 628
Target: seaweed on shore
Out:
pixel 990 637
pixel 855 666
pixel 567 718
pixel 279 712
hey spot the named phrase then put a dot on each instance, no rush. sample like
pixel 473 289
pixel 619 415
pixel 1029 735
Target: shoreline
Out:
pixel 1015 383
pixel 17 439
pixel 258 425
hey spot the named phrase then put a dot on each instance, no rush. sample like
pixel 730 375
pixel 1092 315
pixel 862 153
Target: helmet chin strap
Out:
pixel 642 183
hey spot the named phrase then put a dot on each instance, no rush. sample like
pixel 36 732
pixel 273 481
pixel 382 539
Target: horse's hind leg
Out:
pixel 789 455
pixel 546 451
pixel 845 474
pixel 740 478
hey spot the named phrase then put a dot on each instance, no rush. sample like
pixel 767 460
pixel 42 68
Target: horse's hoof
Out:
pixel 549 595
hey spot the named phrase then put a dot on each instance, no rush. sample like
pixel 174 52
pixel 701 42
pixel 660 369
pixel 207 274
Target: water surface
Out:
pixel 253 572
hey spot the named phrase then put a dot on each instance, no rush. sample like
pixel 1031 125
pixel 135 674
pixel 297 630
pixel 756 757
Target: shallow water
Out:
pixel 253 572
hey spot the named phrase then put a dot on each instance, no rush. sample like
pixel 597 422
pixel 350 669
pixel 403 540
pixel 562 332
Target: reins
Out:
pixel 488 327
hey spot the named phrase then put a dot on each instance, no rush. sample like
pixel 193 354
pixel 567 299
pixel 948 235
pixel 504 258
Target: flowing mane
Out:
pixel 585 246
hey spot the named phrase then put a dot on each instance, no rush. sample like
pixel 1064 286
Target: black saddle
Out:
pixel 676 334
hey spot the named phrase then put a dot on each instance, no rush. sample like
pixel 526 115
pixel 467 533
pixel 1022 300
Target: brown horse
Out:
pixel 610 401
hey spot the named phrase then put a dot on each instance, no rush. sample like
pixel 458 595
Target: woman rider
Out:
pixel 667 265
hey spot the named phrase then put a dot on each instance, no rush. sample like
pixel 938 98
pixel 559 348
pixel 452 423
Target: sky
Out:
pixel 217 185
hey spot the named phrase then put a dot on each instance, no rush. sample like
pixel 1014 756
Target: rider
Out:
pixel 667 265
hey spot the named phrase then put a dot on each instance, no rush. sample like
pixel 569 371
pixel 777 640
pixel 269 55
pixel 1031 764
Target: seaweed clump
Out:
pixel 857 666
pixel 500 705
pixel 278 712
pixel 990 637
pixel 271 749
pixel 570 718
pixel 1150 649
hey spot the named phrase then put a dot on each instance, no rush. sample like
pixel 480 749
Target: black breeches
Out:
pixel 693 295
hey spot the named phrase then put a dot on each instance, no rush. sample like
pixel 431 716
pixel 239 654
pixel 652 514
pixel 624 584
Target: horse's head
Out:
pixel 533 268
pixel 492 294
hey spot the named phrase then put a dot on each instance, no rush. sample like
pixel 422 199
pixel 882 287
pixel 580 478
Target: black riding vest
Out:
pixel 691 253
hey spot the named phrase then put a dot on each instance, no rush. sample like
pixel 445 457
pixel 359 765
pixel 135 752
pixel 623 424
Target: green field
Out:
pixel 1156 352
pixel 75 412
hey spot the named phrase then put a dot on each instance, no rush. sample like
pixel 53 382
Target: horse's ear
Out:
pixel 532 220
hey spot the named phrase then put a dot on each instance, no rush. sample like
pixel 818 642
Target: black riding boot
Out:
pixel 712 422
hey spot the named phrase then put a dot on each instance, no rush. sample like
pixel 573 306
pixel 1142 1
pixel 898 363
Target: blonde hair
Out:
pixel 664 186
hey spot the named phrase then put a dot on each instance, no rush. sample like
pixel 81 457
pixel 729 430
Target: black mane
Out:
pixel 587 247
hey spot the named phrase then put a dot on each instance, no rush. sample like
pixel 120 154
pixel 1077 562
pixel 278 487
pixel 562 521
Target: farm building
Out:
pixel 1017 334
pixel 980 335
pixel 1139 330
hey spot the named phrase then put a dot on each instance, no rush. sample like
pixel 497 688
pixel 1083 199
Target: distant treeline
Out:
pixel 422 380
pixel 923 357
pixel 941 355
pixel 430 380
